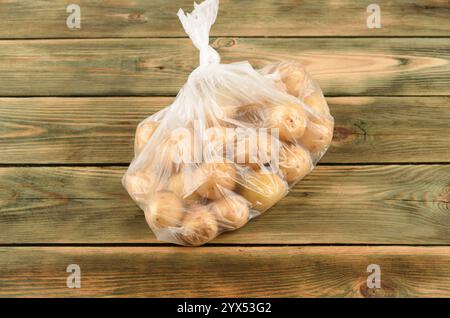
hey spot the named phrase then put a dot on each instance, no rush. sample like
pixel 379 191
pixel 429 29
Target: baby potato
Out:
pixel 181 144
pixel 161 159
pixel 224 108
pixel 229 99
pixel 217 179
pixel 298 83
pixel 295 163
pixel 263 189
pixel 292 75
pixel 227 111
pixel 172 153
pixel 199 226
pixel 230 111
pixel 294 78
pixel 290 119
pixel 165 210
pixel 221 115
pixel 140 185
pixel 231 212
pixel 220 134
pixel 317 137
pixel 218 139
pixel 317 102
pixel 144 132
pixel 136 183
pixel 256 150
pixel 183 185
pixel 253 114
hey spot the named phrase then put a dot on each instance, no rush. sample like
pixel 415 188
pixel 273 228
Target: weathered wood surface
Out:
pixel 392 204
pixel 44 123
pixel 141 18
pixel 345 66
pixel 101 130
pixel 225 271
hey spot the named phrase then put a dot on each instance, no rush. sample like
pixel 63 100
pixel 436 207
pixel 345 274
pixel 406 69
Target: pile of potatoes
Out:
pixel 190 204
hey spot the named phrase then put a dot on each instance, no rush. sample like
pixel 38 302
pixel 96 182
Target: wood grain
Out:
pixel 101 130
pixel 140 18
pixel 55 109
pixel 361 66
pixel 225 271
pixel 334 204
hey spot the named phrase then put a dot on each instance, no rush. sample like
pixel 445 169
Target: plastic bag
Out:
pixel 230 146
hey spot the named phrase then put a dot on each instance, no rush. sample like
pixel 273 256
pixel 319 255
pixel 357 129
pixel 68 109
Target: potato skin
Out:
pixel 262 189
pixel 317 137
pixel 231 212
pixel 199 226
pixel 219 179
pixel 178 184
pixel 217 139
pixel 295 163
pixel 141 185
pixel 290 119
pixel 294 78
pixel 256 151
pixel 318 103
pixel 229 102
pixel 144 132
pixel 165 210
pixel 171 154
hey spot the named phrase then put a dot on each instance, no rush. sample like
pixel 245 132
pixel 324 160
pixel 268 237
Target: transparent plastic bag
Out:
pixel 229 147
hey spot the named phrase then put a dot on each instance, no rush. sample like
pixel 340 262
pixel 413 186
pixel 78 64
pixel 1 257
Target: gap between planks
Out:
pixel 232 36
pixel 126 164
pixel 228 244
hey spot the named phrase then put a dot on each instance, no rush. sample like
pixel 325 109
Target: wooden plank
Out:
pixel 393 204
pixel 225 271
pixel 140 18
pixel 390 129
pixel 101 130
pixel 343 66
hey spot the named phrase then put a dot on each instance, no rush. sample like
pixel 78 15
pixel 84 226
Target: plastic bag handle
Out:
pixel 197 25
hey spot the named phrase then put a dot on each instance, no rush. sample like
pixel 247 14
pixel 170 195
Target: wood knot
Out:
pixel 137 17
pixel 225 43
pixel 446 196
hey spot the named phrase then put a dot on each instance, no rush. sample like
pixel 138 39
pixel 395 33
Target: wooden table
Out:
pixel 71 100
